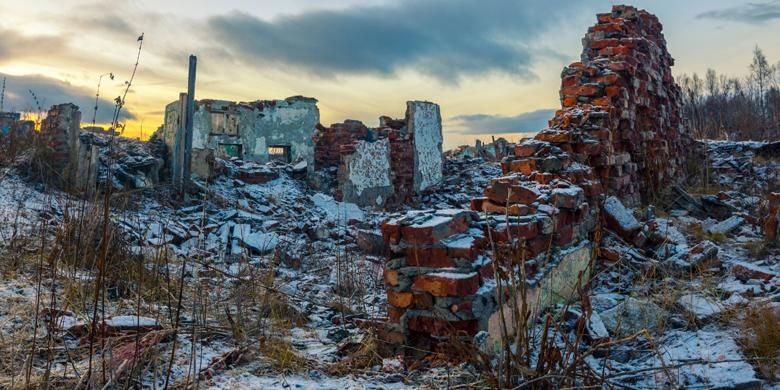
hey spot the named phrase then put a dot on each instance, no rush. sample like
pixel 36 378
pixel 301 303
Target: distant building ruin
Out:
pixel 78 158
pixel 8 121
pixel 386 165
pixel 260 131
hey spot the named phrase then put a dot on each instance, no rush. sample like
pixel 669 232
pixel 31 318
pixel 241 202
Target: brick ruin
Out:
pixel 772 220
pixel 387 165
pixel 73 159
pixel 617 139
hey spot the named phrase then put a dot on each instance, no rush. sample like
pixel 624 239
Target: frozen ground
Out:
pixel 277 292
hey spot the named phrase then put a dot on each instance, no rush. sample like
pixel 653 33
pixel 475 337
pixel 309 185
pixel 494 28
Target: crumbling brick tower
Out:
pixel 60 130
pixel 621 107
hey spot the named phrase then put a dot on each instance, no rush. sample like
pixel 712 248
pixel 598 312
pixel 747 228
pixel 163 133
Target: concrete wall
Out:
pixel 556 283
pixel 367 178
pixel 424 123
pixel 247 130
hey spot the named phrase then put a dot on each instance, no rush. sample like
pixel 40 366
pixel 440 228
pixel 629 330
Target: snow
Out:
pixel 338 212
pixel 623 216
pixel 131 322
pixel 722 365
pixel 453 275
pixel 727 226
pixel 700 306
pixel 249 381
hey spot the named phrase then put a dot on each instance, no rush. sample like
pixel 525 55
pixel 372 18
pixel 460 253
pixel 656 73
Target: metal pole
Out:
pixel 188 122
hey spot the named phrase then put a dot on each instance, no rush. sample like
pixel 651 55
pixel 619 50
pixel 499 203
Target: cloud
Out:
pixel 747 13
pixel 446 39
pixel 50 92
pixel 497 124
pixel 15 46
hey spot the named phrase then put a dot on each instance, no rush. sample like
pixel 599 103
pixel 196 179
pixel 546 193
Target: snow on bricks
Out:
pixel 437 275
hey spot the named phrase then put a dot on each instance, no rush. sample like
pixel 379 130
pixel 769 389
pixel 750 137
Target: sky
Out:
pixel 493 65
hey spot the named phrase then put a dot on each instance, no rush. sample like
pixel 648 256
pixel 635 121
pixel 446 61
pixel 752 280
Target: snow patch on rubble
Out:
pixel 338 211
pixel 714 357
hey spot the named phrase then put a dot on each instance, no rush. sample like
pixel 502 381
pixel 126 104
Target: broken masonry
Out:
pixel 617 139
pixel 79 157
pixel 387 165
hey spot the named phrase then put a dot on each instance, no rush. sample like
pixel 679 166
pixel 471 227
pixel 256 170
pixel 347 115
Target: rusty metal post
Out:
pixel 188 123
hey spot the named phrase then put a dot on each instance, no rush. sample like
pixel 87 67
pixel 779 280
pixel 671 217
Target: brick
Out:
pixel 390 277
pixel 447 284
pixel 394 314
pixel 523 194
pixel 423 301
pixel 564 235
pixel 745 272
pixel 609 254
pixel 515 230
pixel 402 300
pixel 440 328
pixel 476 204
pixel 568 198
pixel 581 90
pixel 526 149
pixel 620 219
pixel 428 256
pixel 523 166
pixel 554 136
pixel 391 231
pixel 434 229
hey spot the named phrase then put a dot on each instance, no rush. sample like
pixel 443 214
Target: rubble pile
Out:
pixel 439 280
pixel 747 165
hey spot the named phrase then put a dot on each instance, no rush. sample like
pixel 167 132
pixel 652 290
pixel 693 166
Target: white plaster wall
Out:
pixel 288 114
pixel 426 125
pixel 201 127
pixel 369 166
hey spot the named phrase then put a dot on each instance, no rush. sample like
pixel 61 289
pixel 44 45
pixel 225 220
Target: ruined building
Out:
pixel 386 165
pixel 260 131
pixel 75 161
pixel 618 137
pixel 81 161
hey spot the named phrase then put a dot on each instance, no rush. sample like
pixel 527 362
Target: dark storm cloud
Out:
pixel 446 39
pixel 50 92
pixel 496 124
pixel 14 46
pixel 747 12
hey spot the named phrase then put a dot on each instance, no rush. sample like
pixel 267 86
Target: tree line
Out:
pixel 718 106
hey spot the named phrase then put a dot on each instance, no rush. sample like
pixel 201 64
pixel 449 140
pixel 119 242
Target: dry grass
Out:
pixel 760 338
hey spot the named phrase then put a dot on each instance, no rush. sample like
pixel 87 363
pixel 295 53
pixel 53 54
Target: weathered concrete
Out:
pixel 553 284
pixel 368 177
pixel 424 123
pixel 248 130
pixel 61 129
